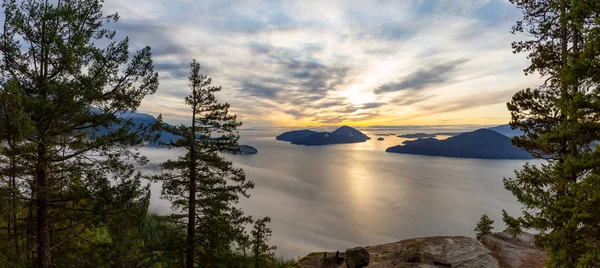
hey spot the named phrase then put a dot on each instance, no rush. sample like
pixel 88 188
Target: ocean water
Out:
pixel 340 196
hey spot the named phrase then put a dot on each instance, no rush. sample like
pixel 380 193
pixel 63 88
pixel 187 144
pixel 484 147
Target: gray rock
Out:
pixel 515 251
pixel 357 257
pixel 450 251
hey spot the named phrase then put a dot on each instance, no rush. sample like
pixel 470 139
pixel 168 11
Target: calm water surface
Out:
pixel 339 196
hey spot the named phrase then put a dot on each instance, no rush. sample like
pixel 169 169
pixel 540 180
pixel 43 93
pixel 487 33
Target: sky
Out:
pixel 329 63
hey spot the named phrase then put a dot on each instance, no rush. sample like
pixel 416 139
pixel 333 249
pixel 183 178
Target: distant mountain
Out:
pixel 417 136
pixel 507 131
pixel 428 135
pixel 295 134
pixel 343 134
pixel 142 119
pixel 138 120
pixel 482 143
pixel 147 120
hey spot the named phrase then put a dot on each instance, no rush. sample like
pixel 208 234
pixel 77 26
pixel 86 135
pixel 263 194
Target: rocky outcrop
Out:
pixel 322 260
pixel 357 257
pixel 494 250
pixel 515 251
pixel 456 251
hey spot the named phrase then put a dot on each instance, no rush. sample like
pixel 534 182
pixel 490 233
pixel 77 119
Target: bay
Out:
pixel 339 196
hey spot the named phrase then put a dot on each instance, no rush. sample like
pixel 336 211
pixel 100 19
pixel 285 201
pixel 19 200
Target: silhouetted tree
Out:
pixel 202 184
pixel 264 255
pixel 561 124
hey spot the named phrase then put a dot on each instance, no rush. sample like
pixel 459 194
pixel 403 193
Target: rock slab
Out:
pixel 515 251
pixel 357 257
pixel 450 251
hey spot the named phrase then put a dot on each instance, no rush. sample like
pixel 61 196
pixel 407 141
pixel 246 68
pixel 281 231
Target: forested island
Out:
pixel 482 143
pixel 343 134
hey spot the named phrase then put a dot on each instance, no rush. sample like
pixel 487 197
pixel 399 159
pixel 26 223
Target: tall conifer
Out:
pixel 561 124
pixel 202 185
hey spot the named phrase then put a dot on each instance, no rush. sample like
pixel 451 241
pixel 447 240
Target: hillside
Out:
pixel 482 143
pixel 506 130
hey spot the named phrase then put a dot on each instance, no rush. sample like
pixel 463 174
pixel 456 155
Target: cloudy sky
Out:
pixel 309 63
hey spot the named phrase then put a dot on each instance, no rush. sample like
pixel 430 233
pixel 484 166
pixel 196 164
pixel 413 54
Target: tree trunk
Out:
pixel 43 226
pixel 192 194
pixel 29 229
pixel 9 212
pixel 257 244
pixel 15 191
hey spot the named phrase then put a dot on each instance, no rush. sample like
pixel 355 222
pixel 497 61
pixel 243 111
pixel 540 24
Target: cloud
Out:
pixel 437 74
pixel 260 90
pixel 467 102
pixel 372 105
pixel 300 81
pixel 175 70
pixel 285 63
pixel 151 33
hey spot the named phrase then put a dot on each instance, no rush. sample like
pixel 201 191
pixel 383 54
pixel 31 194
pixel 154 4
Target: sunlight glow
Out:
pixel 357 96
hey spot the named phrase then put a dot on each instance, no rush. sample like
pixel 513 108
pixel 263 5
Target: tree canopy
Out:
pixel 561 124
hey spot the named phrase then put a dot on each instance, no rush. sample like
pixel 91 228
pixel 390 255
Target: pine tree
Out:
pixel 14 127
pixel 264 255
pixel 484 226
pixel 560 121
pixel 202 185
pixel 71 93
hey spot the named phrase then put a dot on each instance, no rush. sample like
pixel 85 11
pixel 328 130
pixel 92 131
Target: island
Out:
pixel 343 134
pixel 481 143
pixel 295 134
pixel 243 150
pixel 380 139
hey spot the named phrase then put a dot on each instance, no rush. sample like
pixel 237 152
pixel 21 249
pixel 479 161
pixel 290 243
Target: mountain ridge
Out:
pixel 481 143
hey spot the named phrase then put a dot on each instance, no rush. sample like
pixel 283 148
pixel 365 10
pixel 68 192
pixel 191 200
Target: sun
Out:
pixel 357 96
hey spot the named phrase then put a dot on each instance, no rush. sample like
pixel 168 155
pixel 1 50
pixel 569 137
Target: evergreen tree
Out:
pixel 264 255
pixel 202 185
pixel 71 92
pixel 560 121
pixel 484 226
pixel 14 127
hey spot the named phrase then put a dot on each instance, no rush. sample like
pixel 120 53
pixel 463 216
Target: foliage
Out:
pixel 560 121
pixel 60 92
pixel 484 226
pixel 70 192
pixel 261 234
pixel 513 226
pixel 202 185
